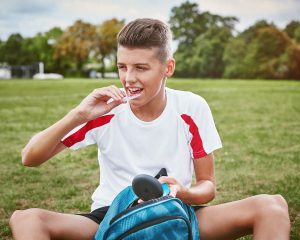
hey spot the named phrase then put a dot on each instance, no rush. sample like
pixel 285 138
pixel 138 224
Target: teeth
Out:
pixel 134 89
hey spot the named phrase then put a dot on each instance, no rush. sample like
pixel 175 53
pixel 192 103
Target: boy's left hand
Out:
pixel 176 188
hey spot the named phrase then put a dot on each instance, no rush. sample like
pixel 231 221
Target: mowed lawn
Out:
pixel 258 121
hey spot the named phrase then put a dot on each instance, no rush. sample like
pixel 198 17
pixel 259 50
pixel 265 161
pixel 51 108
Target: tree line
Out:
pixel 208 46
pixel 73 52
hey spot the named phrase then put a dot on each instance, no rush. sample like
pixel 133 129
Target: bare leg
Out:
pixel 264 216
pixel 42 224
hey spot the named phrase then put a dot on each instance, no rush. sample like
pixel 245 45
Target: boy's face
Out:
pixel 141 72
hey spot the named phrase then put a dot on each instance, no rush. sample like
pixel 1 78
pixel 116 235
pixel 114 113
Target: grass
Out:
pixel 259 123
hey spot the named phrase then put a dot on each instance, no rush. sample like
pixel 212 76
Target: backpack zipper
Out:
pixel 138 206
pixel 154 222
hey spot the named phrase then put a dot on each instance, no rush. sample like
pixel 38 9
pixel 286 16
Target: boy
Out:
pixel 161 127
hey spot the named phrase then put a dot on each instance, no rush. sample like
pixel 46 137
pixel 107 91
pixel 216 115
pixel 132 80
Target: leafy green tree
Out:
pixel 201 40
pixel 233 58
pixel 293 30
pixel 2 43
pixel 45 46
pixel 12 51
pixel 40 49
pixel 208 52
pixel 187 23
pixel 184 22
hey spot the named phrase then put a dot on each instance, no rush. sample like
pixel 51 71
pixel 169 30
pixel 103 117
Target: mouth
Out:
pixel 132 91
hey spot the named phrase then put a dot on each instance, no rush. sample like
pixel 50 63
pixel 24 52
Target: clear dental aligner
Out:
pixel 125 99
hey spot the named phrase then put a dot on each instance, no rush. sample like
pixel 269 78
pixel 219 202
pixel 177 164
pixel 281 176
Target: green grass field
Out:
pixel 259 123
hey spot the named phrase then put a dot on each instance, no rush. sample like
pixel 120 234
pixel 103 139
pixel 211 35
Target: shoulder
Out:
pixel 185 101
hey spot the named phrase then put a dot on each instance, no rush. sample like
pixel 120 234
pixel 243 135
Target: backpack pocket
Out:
pixel 162 218
pixel 164 228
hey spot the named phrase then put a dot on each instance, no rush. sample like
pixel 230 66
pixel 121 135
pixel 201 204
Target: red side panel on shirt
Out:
pixel 80 134
pixel 196 143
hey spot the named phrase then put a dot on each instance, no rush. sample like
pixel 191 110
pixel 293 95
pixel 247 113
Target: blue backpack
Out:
pixel 161 218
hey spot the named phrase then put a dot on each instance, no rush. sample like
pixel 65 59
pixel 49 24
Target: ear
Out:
pixel 170 67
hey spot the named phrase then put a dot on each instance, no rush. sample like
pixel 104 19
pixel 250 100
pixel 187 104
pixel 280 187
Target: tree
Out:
pixel 236 50
pixel 208 52
pixel 293 30
pixel 291 59
pixel 194 30
pixel 46 53
pixel 12 51
pixel 40 49
pixel 262 51
pixel 75 44
pixel 105 42
pixel 184 22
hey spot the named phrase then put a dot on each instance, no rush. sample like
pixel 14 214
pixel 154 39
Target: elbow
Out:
pixel 213 194
pixel 208 198
pixel 27 159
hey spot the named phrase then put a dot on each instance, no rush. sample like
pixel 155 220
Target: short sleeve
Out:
pixel 203 135
pixel 85 134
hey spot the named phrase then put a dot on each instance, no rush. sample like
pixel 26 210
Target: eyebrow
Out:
pixel 135 64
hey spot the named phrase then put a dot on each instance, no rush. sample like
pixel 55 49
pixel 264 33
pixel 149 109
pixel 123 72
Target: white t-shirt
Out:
pixel 128 146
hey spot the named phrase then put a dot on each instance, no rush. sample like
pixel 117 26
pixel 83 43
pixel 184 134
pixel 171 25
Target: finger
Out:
pixel 119 91
pixel 168 180
pixel 115 93
pixel 104 94
pixel 140 201
pixel 173 190
pixel 111 104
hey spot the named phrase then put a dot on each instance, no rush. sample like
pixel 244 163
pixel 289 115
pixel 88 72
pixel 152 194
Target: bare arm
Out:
pixel 47 143
pixel 203 191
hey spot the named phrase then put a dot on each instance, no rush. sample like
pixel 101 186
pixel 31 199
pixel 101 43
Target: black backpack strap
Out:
pixel 162 172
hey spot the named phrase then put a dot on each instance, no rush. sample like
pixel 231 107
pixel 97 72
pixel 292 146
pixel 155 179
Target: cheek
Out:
pixel 122 78
pixel 154 77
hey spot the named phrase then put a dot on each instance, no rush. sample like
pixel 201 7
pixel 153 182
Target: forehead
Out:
pixel 131 55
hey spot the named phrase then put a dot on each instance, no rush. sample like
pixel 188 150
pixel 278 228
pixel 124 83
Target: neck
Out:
pixel 153 109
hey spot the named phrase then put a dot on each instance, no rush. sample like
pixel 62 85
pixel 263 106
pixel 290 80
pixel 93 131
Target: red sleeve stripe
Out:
pixel 196 143
pixel 79 135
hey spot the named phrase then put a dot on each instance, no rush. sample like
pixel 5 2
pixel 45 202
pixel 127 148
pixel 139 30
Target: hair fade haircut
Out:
pixel 147 33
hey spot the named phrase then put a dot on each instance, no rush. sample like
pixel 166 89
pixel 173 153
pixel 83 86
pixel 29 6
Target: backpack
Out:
pixel 161 218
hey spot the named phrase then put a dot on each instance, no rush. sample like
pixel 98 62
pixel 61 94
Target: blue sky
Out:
pixel 29 17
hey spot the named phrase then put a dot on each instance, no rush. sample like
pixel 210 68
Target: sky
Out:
pixel 29 17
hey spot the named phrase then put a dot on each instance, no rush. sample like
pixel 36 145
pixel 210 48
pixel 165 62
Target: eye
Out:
pixel 121 67
pixel 141 68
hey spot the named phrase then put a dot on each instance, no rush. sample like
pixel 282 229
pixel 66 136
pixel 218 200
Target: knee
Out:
pixel 271 206
pixel 28 216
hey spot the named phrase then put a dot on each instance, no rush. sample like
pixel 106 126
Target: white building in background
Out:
pixel 35 71
pixel 5 72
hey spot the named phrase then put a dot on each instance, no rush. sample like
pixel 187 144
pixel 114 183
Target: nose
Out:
pixel 130 77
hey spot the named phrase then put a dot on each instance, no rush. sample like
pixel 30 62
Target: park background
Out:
pixel 257 117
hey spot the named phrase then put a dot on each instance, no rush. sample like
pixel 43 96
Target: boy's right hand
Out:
pixel 95 104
